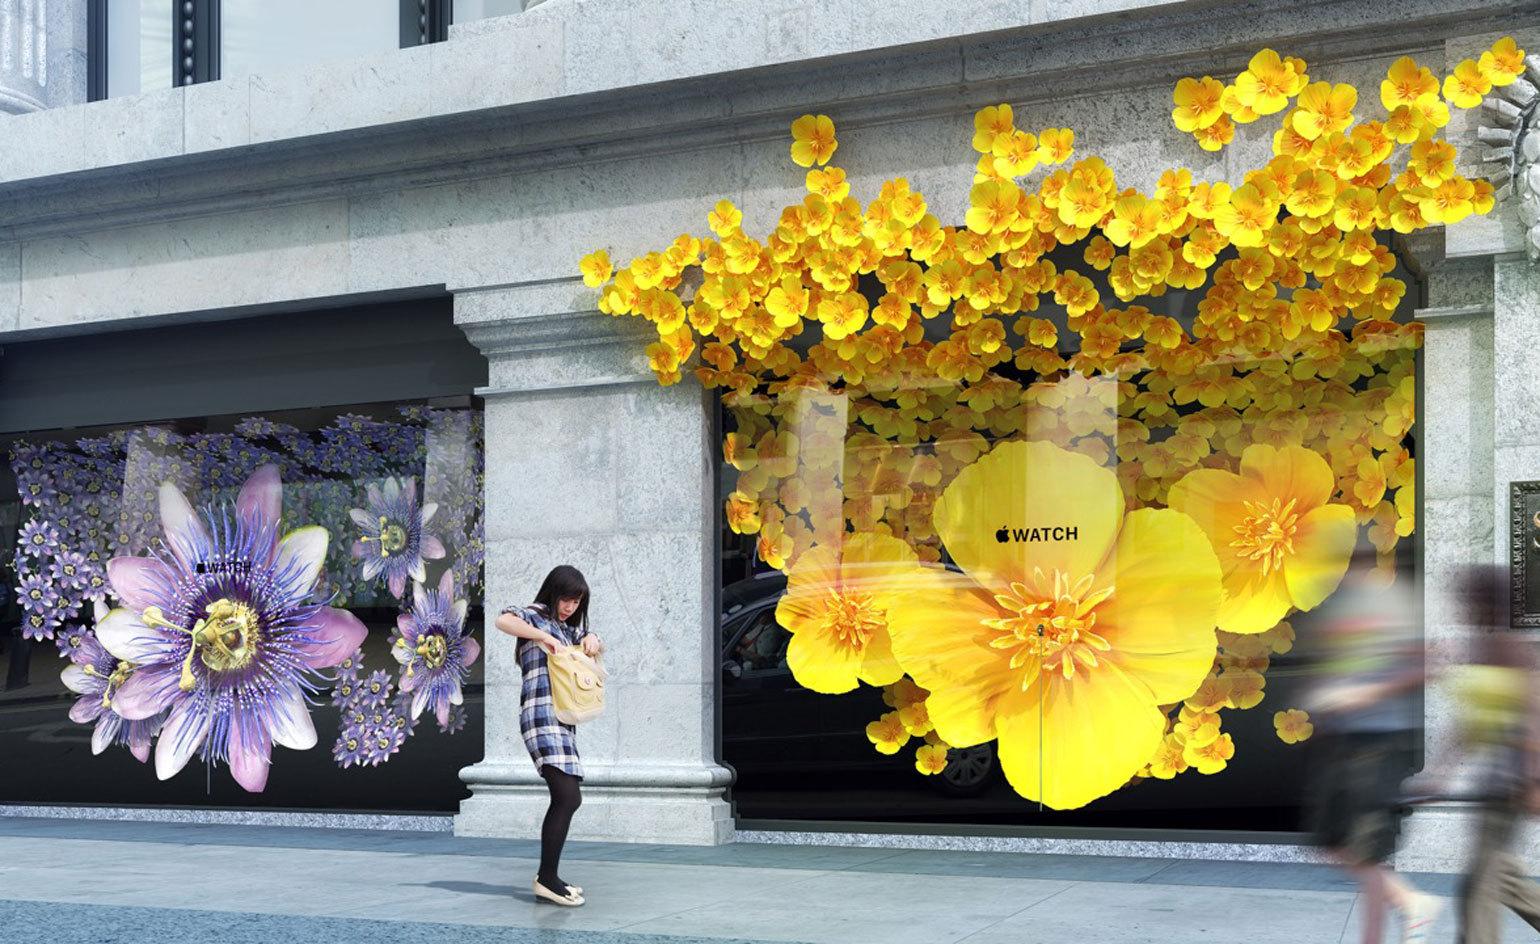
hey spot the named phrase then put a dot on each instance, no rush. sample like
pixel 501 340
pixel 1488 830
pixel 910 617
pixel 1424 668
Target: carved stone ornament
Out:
pixel 1510 136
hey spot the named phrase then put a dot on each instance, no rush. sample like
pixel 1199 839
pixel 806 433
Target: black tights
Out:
pixel 565 800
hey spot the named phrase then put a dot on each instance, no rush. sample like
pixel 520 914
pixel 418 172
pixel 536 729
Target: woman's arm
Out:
pixel 519 628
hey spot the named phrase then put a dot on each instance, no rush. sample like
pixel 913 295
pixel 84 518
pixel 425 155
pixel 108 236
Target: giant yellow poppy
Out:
pixel 1280 540
pixel 1071 623
pixel 836 607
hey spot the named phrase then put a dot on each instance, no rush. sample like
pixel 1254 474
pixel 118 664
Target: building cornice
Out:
pixel 426 116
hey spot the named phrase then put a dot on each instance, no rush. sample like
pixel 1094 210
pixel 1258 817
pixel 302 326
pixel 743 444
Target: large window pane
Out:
pixel 468 10
pixel 264 35
pixel 385 500
pixel 138 46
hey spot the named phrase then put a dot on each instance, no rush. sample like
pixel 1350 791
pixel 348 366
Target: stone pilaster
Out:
pixel 591 463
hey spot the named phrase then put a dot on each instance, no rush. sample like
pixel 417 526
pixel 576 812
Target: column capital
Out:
pixel 546 336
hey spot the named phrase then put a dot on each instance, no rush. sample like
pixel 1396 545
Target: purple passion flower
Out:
pixel 434 651
pixel 394 542
pixel 95 675
pixel 226 632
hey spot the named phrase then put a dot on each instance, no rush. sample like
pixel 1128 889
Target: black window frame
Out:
pixel 196 43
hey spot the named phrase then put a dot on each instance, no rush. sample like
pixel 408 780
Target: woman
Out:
pixel 558 617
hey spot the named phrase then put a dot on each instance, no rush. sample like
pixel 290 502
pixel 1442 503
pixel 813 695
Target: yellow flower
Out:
pixel 742 513
pixel 812 140
pixel 1197 103
pixel 1280 541
pixel 829 183
pixel 993 206
pixel 1449 202
pixel 1266 84
pixel 1503 63
pixel 787 302
pixel 1405 83
pixel 1245 688
pixel 837 605
pixel 887 733
pixel 1293 726
pixel 915 718
pixel 1063 649
pixel 990 124
pixel 724 219
pixel 1212 757
pixel 1466 86
pixel 596 268
pixel 1216 135
pixel 1055 145
pixel 930 759
pixel 1246 217
pixel 1168 760
pixel 1324 109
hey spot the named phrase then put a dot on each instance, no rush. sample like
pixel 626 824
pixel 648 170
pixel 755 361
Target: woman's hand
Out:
pixel 592 646
pixel 551 644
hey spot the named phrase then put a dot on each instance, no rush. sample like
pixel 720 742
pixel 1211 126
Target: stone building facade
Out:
pixel 483 167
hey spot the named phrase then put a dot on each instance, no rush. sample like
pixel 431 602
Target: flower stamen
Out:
pixel 1267 533
pixel 1052 626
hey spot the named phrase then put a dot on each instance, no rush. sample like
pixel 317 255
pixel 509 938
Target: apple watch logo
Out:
pixel 1006 534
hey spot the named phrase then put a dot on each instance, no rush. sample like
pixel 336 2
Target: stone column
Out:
pixel 1457 512
pixel 24 55
pixel 591 463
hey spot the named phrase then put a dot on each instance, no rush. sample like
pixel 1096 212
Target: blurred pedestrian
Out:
pixel 1498 709
pixel 1367 725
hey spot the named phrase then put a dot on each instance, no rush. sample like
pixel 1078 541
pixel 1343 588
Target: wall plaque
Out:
pixel 1524 554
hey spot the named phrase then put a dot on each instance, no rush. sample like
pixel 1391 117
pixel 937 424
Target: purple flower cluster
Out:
pixel 372 727
pixel 96 675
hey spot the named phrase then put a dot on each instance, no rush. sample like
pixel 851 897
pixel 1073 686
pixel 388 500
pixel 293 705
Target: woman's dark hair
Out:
pixel 565 582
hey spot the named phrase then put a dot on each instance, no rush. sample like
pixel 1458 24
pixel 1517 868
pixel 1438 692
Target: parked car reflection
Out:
pixel 774 728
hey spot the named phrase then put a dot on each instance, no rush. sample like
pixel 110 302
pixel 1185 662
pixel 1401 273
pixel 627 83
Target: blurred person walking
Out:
pixel 1500 724
pixel 1367 723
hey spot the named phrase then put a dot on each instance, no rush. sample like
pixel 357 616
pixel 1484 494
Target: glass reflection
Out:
pixel 138 46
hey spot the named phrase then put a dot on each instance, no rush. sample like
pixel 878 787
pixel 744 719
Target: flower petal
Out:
pixel 432 547
pixel 1215 499
pixel 106 731
pixel 939 639
pixel 184 529
pixel 441 712
pixel 122 634
pixel 183 734
pixel 290 722
pixel 303 550
pixel 446 582
pixel 364 520
pixel 261 498
pixel 1253 603
pixel 338 635
pixel 86 710
pixel 139 581
pixel 146 693
pixel 426 513
pixel 1098 729
pixel 472 650
pixel 250 754
pixel 1323 546
pixel 1290 472
pixel 1160 620
pixel 1029 485
pixel 419 701
pixel 76 680
pixel 822 663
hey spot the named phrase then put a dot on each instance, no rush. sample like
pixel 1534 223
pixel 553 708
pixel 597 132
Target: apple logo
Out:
pixel 1003 535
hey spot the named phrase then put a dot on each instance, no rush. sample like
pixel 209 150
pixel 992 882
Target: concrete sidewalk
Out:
pixel 91 882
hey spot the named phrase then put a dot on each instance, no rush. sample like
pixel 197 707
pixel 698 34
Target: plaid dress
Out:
pixel 549 741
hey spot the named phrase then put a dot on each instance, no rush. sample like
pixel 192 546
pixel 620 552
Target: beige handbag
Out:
pixel 577 685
